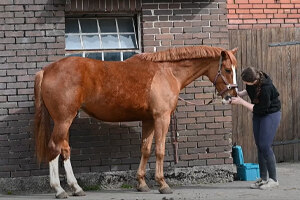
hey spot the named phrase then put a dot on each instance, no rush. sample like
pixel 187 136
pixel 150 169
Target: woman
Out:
pixel 265 106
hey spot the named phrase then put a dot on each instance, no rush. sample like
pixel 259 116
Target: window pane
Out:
pixel 107 25
pixel 127 55
pixel 73 42
pixel 72 26
pixel 112 56
pixel 128 41
pixel 125 25
pixel 91 41
pixel 75 54
pixel 110 41
pixel 97 56
pixel 88 25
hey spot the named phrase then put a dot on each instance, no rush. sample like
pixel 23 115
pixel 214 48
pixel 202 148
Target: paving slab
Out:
pixel 289 189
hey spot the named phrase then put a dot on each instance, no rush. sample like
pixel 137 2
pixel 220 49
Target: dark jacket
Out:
pixel 268 99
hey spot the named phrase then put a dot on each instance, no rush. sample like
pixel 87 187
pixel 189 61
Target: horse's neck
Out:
pixel 189 70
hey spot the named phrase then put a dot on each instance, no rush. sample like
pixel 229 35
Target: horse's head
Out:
pixel 225 75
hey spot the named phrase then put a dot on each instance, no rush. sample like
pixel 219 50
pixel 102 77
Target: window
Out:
pixel 109 39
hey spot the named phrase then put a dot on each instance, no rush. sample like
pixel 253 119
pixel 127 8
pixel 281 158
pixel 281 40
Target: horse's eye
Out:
pixel 228 71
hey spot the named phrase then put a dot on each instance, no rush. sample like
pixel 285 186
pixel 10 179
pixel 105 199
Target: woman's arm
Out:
pixel 242 93
pixel 239 100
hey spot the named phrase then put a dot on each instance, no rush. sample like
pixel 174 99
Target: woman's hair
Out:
pixel 251 74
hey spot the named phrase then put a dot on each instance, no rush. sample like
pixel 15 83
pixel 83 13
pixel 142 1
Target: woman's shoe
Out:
pixel 270 184
pixel 258 183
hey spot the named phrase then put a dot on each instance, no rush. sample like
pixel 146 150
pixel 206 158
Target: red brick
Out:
pixel 289 21
pixel 294 16
pixel 273 5
pixel 232 27
pixel 232 16
pixel 270 11
pixel 242 11
pixel 255 11
pixel 287 5
pixel 245 5
pixel 275 21
pixel 235 21
pixel 269 1
pixel 245 26
pixel 232 6
pixel 263 21
pixel 261 16
pixel 241 1
pixel 280 15
pixel 255 1
pixel 245 16
pixel 259 6
pixel 294 11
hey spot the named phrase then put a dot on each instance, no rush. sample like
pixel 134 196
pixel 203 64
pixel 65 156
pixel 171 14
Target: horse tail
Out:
pixel 42 121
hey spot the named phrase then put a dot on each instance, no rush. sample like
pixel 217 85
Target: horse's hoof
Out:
pixel 62 195
pixel 80 193
pixel 166 190
pixel 143 189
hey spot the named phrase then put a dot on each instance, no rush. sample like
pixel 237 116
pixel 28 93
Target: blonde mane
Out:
pixel 183 53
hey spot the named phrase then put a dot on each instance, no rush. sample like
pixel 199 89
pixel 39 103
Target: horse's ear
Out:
pixel 224 54
pixel 234 50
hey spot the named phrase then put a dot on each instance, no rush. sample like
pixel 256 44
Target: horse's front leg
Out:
pixel 147 138
pixel 161 129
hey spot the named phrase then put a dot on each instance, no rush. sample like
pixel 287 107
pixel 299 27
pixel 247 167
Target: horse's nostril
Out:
pixel 227 98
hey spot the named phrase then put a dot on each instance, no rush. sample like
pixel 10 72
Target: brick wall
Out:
pixel 248 14
pixel 32 35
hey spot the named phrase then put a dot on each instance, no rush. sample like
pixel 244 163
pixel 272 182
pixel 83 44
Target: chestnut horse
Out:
pixel 144 87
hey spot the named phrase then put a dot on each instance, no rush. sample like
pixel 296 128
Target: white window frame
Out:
pixel 137 34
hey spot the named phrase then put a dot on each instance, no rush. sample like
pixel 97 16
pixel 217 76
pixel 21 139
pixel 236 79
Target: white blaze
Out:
pixel 234 76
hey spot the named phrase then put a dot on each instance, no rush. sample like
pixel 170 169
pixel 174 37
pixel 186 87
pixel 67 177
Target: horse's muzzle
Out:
pixel 226 99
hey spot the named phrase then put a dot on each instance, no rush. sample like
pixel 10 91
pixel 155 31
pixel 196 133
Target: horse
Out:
pixel 143 88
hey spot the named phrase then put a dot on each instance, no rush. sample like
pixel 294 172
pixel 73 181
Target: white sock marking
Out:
pixel 54 176
pixel 70 176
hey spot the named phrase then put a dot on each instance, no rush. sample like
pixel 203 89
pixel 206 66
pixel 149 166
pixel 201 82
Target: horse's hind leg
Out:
pixel 54 179
pixel 147 137
pixel 59 144
pixel 72 182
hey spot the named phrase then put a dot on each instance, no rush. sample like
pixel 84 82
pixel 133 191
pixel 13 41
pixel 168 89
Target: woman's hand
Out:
pixel 237 100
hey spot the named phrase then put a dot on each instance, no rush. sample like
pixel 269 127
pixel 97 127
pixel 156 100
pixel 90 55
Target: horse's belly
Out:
pixel 112 114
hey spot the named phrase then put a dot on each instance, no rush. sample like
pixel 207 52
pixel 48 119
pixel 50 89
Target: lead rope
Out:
pixel 192 103
pixel 174 136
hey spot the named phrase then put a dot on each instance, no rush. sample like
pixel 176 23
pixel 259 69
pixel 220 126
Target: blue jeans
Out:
pixel 264 129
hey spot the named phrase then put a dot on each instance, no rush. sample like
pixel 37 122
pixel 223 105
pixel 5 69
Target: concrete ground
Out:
pixel 289 189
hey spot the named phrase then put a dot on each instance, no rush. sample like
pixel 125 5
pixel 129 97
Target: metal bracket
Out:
pixel 284 44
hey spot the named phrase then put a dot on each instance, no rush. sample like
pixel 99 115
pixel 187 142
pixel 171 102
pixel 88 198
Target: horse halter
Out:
pixel 228 85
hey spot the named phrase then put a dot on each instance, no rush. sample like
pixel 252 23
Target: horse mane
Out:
pixel 183 53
